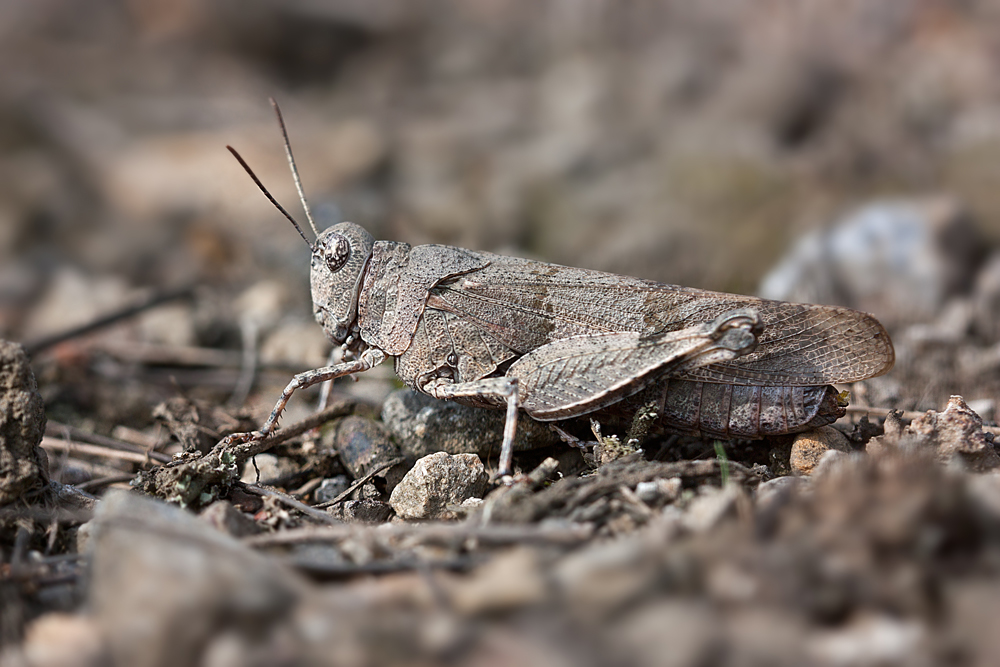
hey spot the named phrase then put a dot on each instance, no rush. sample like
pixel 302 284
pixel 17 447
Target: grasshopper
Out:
pixel 558 342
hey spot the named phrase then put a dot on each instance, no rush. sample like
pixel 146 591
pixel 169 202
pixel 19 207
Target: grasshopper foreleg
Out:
pixel 501 387
pixel 369 359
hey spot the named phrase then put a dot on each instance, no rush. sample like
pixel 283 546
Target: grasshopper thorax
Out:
pixel 339 257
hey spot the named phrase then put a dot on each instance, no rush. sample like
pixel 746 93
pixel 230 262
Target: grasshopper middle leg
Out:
pixel 502 387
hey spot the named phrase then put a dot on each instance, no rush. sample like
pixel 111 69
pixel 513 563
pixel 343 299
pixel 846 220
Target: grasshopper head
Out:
pixel 339 257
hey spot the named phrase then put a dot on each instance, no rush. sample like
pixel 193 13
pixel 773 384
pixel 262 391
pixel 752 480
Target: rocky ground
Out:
pixel 836 153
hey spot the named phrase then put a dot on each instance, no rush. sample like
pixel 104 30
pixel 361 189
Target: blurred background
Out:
pixel 690 143
pixel 830 151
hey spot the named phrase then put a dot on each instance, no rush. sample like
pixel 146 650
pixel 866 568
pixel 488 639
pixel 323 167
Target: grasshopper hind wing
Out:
pixel 804 346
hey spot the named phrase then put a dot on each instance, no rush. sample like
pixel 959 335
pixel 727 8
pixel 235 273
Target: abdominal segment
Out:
pixel 733 411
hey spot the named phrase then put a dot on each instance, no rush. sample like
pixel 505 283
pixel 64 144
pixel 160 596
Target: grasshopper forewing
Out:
pixel 557 342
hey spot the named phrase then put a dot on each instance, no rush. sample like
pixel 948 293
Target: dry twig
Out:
pixel 73 447
pixel 54 430
pixel 495 534
pixel 256 489
pixel 359 482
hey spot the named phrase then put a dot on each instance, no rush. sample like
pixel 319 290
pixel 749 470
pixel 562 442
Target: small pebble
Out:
pixel 437 482
pixel 809 448
pixel 267 464
pixel 330 488
pixel 366 510
pixel 775 491
pixel 223 516
pixel 659 491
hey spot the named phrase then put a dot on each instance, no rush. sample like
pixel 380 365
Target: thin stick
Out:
pixel 307 488
pixel 35 346
pixel 95 470
pixel 496 534
pixel 905 415
pixel 104 481
pixel 359 482
pixel 322 570
pixel 72 447
pixel 295 170
pixel 267 194
pixel 170 355
pixel 55 430
pixel 292 502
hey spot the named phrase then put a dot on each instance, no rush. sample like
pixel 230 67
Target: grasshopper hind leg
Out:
pixel 504 388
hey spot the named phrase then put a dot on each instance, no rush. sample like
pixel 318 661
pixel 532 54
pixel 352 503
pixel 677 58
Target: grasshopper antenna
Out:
pixel 269 197
pixel 295 170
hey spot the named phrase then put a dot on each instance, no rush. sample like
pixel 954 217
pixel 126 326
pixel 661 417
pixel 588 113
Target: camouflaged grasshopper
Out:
pixel 560 342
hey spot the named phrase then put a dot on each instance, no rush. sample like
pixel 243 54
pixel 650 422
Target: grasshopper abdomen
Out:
pixel 741 411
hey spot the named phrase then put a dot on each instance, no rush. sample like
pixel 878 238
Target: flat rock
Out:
pixel 23 465
pixel 423 425
pixel 437 482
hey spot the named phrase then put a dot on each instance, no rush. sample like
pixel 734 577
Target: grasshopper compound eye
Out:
pixel 337 252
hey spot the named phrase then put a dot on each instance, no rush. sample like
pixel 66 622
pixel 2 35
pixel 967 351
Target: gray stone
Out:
pixel 366 510
pixel 774 493
pixel 437 482
pixel 330 488
pixel 363 445
pixel 223 516
pixel 164 583
pixel 269 466
pixel 23 465
pixel 900 260
pixel 423 425
pixel 659 491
